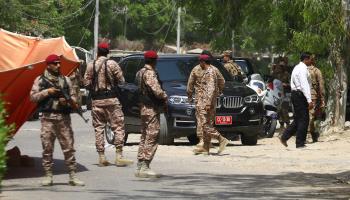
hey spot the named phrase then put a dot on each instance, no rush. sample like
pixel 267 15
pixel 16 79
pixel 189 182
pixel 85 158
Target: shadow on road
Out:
pixel 208 186
pixel 59 167
pixel 296 185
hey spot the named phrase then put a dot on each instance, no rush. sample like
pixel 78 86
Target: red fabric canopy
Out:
pixel 22 59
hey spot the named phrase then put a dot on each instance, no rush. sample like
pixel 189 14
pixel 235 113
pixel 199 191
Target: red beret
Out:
pixel 151 54
pixel 204 57
pixel 103 45
pixel 52 58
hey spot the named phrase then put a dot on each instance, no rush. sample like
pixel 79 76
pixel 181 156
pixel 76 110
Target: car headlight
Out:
pixel 251 99
pixel 178 100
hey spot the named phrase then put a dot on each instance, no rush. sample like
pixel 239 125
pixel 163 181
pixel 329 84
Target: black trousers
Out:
pixel 300 123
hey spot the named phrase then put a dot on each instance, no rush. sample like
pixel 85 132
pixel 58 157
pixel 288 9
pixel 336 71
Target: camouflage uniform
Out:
pixel 55 120
pixel 317 96
pixel 54 125
pixel 233 68
pixel 283 113
pixel 193 85
pixel 150 115
pixel 206 96
pixel 106 110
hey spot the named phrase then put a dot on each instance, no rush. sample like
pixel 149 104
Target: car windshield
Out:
pixel 172 69
pixel 179 69
pixel 194 61
pixel 243 64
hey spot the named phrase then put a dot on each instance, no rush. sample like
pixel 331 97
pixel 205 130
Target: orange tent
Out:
pixel 22 59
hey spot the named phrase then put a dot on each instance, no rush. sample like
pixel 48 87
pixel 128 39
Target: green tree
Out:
pixel 38 17
pixel 51 18
pixel 290 27
pixel 303 25
pixel 4 131
pixel 152 20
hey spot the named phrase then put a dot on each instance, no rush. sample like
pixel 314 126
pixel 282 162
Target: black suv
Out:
pixel 238 112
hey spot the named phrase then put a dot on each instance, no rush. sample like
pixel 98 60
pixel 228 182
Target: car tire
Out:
pixel 164 136
pixel 193 139
pixel 109 134
pixel 249 140
pixel 126 138
pixel 88 104
pixel 271 130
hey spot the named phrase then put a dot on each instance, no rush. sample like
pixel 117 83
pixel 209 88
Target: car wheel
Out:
pixel 249 140
pixel 271 130
pixel 193 139
pixel 109 134
pixel 164 136
pixel 88 102
pixel 126 138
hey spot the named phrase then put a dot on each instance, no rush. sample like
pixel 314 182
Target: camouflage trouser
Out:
pixel 284 112
pixel 150 125
pixel 207 123
pixel 112 114
pixel 199 125
pixel 62 130
pixel 312 128
pixel 201 119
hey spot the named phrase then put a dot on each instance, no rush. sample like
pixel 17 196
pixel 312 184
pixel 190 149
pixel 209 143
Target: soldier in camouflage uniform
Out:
pixel 317 96
pixel 55 120
pixel 151 97
pixel 280 72
pixel 233 68
pixel 193 85
pixel 102 77
pixel 206 93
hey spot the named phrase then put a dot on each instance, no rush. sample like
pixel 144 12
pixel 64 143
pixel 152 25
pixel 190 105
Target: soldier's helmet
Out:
pixel 227 53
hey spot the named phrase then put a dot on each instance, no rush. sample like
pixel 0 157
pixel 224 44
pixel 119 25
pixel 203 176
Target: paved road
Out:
pixel 265 171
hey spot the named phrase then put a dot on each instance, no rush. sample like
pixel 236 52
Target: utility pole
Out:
pixel 97 13
pixel 272 57
pixel 125 20
pixel 233 43
pixel 178 30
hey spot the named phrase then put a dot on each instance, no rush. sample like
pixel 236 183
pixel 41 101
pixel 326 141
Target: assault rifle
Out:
pixel 74 105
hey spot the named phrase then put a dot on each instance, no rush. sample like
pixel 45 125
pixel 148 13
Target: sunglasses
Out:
pixel 56 63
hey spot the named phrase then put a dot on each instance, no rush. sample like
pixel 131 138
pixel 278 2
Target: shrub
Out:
pixel 4 130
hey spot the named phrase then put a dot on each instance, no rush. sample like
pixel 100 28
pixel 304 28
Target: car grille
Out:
pixel 229 102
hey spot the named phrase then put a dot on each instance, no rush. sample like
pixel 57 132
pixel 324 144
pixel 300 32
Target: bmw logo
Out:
pixel 189 111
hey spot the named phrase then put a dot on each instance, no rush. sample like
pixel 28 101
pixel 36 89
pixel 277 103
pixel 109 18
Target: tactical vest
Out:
pixel 234 70
pixel 51 103
pixel 146 95
pixel 104 93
